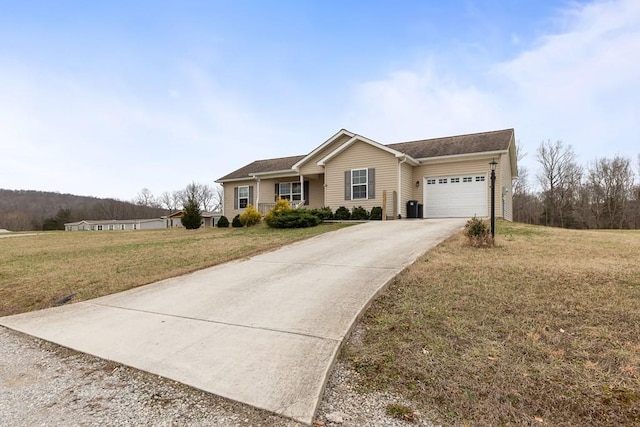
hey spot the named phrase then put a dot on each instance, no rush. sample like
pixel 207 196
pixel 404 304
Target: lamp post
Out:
pixel 493 165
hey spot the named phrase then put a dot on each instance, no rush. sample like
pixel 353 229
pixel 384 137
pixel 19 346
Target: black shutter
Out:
pixel 277 192
pixel 372 183
pixel 305 190
pixel 235 197
pixel 347 185
pixel 250 195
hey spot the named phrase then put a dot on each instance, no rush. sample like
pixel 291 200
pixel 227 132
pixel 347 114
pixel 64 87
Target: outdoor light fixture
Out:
pixel 417 184
pixel 493 165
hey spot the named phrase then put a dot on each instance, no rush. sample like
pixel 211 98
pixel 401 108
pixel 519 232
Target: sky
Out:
pixel 106 98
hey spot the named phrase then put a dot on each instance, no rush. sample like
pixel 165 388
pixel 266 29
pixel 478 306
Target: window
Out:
pixel 455 180
pixel 467 179
pixel 442 181
pixel 431 181
pixel 110 227
pixel 99 228
pixel 479 178
pixel 358 184
pixel 121 226
pixel 243 197
pixel 135 226
pixel 291 191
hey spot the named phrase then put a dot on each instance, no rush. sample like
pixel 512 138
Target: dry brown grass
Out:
pixel 543 329
pixel 36 271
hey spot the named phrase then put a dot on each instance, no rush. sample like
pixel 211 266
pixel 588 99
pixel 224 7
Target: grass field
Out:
pixel 36 271
pixel 543 329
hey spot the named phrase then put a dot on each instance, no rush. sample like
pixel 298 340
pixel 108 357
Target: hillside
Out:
pixel 22 210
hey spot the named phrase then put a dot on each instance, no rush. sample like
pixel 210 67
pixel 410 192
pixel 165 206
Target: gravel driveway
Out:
pixel 44 384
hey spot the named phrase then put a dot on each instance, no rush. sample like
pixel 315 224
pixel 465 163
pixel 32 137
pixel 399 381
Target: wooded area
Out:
pixel 22 210
pixel 604 194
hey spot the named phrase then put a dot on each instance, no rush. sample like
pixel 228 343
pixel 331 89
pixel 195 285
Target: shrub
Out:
pixel 295 218
pixel 376 213
pixel 359 213
pixel 282 205
pixel 342 214
pixel 322 213
pixel 250 216
pixel 235 222
pixel 223 222
pixel 478 232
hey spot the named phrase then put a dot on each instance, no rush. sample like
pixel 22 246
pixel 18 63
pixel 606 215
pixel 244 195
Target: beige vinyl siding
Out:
pixel 311 166
pixel 228 210
pixel 407 188
pixel 316 193
pixel 506 186
pixel 358 156
pixel 476 166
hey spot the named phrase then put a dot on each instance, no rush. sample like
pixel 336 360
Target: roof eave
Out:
pixel 455 156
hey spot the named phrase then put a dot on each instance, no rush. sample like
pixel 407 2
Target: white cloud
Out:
pixel 579 85
pixel 413 104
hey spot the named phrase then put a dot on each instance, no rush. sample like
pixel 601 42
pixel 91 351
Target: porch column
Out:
pixel 257 200
pixel 302 195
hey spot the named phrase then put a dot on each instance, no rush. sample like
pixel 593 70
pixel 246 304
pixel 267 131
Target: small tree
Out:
pixel 235 222
pixel 191 214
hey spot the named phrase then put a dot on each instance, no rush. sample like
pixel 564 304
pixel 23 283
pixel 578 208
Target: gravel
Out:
pixel 42 384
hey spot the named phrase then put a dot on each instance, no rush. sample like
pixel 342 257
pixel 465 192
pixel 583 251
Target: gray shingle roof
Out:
pixel 267 165
pixel 461 144
pixel 498 140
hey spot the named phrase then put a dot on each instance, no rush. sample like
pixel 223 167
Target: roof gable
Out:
pixel 359 138
pixel 336 136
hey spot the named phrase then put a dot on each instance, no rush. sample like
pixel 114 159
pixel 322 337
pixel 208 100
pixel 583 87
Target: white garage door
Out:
pixel 458 196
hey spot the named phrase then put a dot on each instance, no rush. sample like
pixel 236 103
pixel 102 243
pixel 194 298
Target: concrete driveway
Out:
pixel 263 331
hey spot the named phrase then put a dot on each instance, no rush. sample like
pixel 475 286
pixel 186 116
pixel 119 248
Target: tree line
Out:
pixel 23 210
pixel 604 194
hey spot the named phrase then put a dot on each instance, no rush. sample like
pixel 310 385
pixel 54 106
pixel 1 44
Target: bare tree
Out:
pixel 208 197
pixel 560 180
pixel 610 184
pixel 145 198
pixel 526 205
pixel 168 201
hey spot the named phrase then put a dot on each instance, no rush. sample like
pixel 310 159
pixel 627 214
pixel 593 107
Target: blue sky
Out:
pixel 105 98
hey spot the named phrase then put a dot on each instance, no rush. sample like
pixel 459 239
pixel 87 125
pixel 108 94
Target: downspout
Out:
pixel 400 187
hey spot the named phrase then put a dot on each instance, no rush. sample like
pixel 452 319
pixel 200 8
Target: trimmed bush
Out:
pixel 250 216
pixel 342 214
pixel 322 213
pixel 223 222
pixel 295 218
pixel 282 205
pixel 235 222
pixel 478 232
pixel 376 213
pixel 359 213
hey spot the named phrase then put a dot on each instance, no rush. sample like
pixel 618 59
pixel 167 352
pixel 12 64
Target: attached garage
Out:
pixel 456 196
